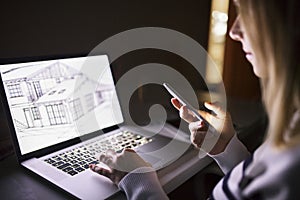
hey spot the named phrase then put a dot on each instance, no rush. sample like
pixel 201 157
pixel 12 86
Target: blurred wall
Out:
pixel 49 28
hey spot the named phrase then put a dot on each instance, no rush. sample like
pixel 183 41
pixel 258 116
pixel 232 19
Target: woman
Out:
pixel 270 36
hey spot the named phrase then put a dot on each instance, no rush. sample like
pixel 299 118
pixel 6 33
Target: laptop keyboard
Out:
pixel 79 159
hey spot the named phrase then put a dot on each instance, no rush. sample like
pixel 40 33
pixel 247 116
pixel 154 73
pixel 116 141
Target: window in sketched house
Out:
pixel 15 90
pixel 37 88
pixel 76 108
pixel 36 113
pixel 31 96
pixel 90 102
pixel 52 92
pixel 56 114
pixel 99 97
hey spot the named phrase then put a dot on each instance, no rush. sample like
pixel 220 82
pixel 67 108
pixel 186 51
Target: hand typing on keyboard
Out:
pixel 78 160
pixel 119 164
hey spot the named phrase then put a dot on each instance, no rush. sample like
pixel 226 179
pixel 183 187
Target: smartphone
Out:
pixel 183 102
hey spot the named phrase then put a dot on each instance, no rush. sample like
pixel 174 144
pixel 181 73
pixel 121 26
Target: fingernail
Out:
pixel 201 123
pixel 91 166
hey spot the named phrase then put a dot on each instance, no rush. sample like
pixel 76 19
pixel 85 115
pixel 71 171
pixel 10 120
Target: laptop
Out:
pixel 64 112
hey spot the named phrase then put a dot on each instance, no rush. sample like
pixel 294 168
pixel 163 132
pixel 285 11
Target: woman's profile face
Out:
pixel 237 33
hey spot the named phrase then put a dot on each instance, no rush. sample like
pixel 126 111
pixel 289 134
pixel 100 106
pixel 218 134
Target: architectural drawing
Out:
pixel 51 94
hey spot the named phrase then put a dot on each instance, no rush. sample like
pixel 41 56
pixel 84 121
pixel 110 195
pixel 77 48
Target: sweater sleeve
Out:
pixel 234 153
pixel 142 183
pixel 269 174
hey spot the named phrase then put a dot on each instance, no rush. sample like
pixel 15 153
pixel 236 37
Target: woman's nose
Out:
pixel 235 31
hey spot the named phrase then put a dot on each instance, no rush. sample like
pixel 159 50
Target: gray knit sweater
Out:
pixel 267 174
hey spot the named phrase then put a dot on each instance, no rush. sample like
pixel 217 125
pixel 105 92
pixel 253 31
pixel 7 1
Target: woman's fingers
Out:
pixel 218 118
pixel 129 150
pixel 107 160
pixel 205 115
pixel 198 132
pixel 197 126
pixel 100 170
pixel 184 113
pixel 176 103
pixel 116 165
pixel 189 117
pixel 216 108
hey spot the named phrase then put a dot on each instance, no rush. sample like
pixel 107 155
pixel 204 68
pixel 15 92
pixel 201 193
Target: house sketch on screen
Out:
pixel 51 94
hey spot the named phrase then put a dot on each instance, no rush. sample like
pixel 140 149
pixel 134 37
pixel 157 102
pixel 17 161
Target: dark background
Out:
pixel 35 28
pixel 66 28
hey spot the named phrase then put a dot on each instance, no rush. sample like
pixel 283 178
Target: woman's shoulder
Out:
pixel 287 163
pixel 277 160
pixel 274 172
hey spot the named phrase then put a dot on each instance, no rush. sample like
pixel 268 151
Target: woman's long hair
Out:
pixel 273 28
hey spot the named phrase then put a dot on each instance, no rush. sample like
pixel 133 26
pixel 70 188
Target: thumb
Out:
pixel 176 103
pixel 216 108
pixel 100 170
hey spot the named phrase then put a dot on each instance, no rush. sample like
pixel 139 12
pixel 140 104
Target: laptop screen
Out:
pixel 57 100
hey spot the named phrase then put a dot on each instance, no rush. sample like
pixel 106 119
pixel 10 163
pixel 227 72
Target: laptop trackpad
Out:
pixel 162 151
pixel 149 158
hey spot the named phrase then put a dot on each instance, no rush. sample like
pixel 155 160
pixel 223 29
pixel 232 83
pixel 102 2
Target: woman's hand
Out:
pixel 221 122
pixel 118 164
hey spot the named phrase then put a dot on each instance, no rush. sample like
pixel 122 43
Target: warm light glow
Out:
pixel 217 36
pixel 219 24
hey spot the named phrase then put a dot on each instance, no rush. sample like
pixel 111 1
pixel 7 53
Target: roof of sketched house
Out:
pixel 67 88
pixel 31 71
pixel 71 89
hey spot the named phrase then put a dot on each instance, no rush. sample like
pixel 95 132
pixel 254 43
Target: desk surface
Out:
pixel 17 182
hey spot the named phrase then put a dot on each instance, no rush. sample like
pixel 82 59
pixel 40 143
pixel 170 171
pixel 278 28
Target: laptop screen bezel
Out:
pixel 10 123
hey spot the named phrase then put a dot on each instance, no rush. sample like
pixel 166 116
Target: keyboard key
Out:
pixel 79 169
pixel 93 162
pixel 75 165
pixel 89 160
pixel 58 163
pixel 86 166
pixel 67 169
pixel 73 161
pixel 66 160
pixel 82 163
pixel 64 166
pixel 72 172
pixel 50 161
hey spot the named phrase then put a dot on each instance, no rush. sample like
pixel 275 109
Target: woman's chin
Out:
pixel 258 72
